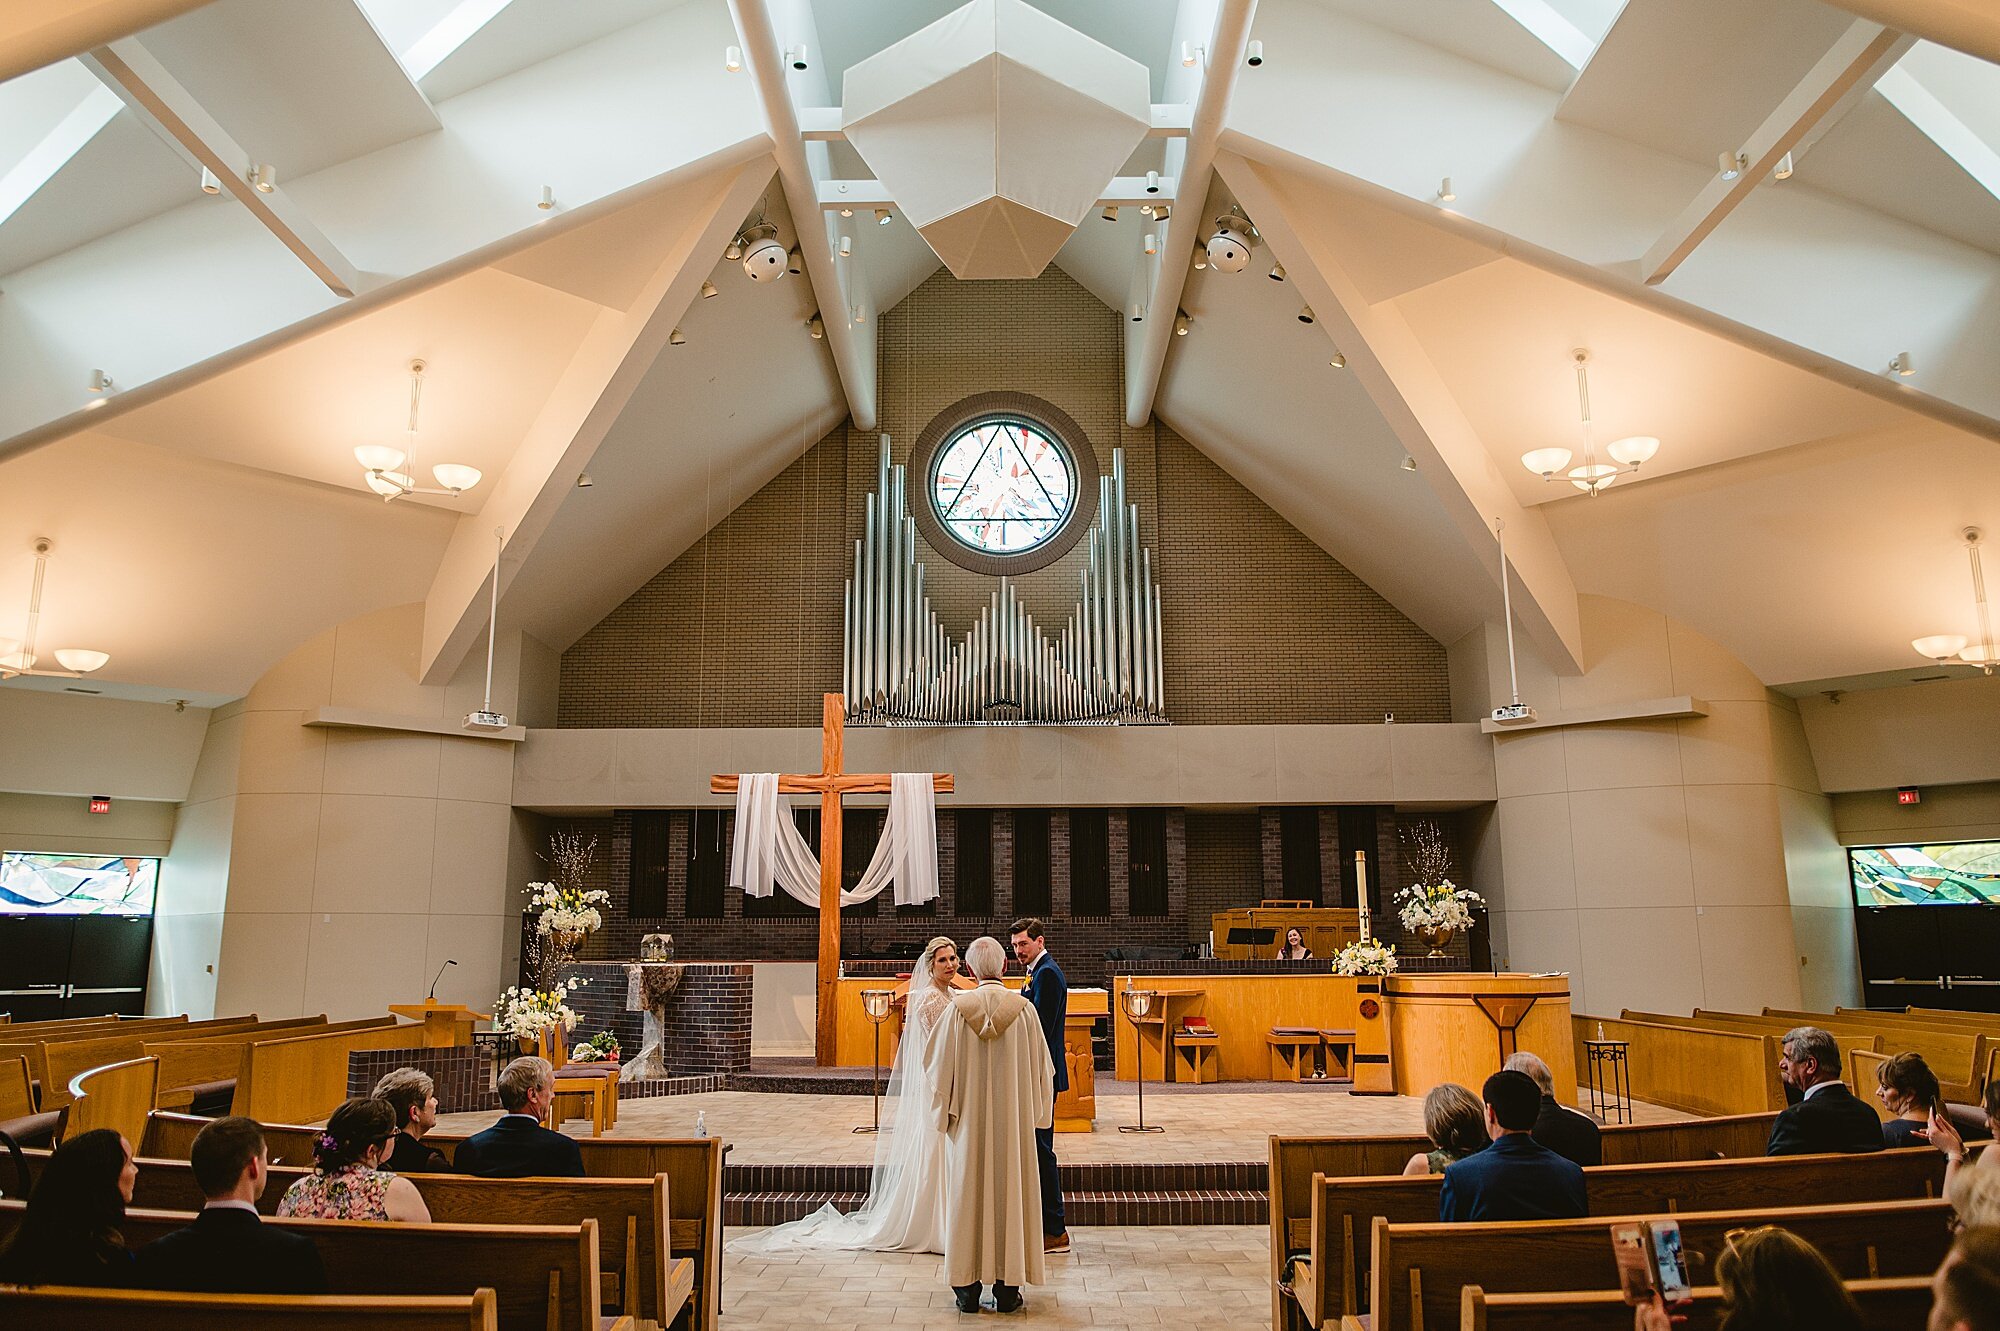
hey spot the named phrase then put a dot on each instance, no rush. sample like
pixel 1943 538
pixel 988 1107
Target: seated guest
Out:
pixel 1516 1177
pixel 1944 1135
pixel 72 1230
pixel 348 1182
pixel 229 1249
pixel 1965 1292
pixel 518 1146
pixel 1907 1088
pixel 1772 1280
pixel 1455 1122
pixel 1828 1116
pixel 413 1095
pixel 1295 949
pixel 1571 1135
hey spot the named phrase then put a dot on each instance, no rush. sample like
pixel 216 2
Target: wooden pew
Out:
pixel 1696 1070
pixel 32 1044
pixel 186 1064
pixel 17 1098
pixel 1420 1270
pixel 1957 1056
pixel 693 1167
pixel 169 1136
pixel 543 1277
pixel 118 1096
pixel 1849 1038
pixel 302 1079
pixel 1344 1210
pixel 55 1308
pixel 1886 1305
pixel 632 1215
pixel 1294 1161
pixel 63 1058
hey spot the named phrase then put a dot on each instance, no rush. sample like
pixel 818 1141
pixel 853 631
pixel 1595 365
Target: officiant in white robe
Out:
pixel 992 1085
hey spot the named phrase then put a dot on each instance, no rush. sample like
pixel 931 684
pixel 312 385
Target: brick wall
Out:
pixel 707 1017
pixel 1259 625
pixel 462 1074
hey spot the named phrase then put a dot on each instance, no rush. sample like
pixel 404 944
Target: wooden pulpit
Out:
pixel 445 1024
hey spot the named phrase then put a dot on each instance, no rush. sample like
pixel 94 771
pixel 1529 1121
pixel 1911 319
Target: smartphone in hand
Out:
pixel 1651 1261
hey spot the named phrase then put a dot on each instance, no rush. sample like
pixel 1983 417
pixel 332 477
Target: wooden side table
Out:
pixel 1610 1079
pixel 1195 1057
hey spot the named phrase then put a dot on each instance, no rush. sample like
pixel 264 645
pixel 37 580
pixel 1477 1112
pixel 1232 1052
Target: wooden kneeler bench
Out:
pixel 1293 1052
pixel 1338 1044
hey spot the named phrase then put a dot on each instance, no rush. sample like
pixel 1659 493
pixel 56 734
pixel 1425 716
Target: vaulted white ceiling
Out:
pixel 209 514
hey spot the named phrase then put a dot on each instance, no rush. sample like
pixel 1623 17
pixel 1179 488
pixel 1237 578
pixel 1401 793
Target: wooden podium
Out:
pixel 445 1024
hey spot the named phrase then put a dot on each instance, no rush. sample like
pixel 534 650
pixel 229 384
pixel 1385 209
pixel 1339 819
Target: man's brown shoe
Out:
pixel 1055 1243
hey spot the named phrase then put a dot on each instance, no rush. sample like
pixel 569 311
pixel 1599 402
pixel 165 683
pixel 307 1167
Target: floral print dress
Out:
pixel 352 1192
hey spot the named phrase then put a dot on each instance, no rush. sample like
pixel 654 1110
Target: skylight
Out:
pixel 1570 28
pixel 425 33
pixel 1955 100
pixel 49 121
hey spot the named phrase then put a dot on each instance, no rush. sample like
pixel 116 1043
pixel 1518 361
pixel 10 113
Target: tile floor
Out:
pixel 1215 1276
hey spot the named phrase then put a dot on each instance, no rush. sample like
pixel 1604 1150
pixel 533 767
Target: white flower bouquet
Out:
pixel 1367 957
pixel 526 1013
pixel 566 909
pixel 1442 905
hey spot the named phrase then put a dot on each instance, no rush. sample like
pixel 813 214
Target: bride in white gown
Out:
pixel 906 1202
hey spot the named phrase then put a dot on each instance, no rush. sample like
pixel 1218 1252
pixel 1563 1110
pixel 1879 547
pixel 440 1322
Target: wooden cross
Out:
pixel 829 783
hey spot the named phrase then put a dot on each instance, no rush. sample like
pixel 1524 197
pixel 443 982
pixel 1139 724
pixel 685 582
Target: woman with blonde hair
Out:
pixel 1455 1121
pixel 905 1209
pixel 1907 1088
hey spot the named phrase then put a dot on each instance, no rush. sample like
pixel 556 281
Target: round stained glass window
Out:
pixel 1002 486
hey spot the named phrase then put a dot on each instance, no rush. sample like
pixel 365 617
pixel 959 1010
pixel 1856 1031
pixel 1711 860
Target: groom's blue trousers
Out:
pixel 1052 1207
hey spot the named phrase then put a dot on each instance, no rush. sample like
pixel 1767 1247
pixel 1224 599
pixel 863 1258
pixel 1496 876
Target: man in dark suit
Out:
pixel 518 1146
pixel 1515 1178
pixel 1569 1134
pixel 1048 990
pixel 229 1249
pixel 1828 1116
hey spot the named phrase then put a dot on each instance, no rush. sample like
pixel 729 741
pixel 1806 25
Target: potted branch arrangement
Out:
pixel 1434 908
pixel 565 912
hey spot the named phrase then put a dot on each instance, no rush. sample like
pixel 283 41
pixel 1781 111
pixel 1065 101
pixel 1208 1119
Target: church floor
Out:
pixel 1211 1125
pixel 1214 1275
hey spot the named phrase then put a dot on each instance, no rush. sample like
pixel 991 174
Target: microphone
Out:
pixel 432 996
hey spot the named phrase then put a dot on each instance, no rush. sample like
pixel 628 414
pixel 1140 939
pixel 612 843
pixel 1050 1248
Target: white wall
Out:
pixel 194 881
pixel 1941 733
pixel 67 744
pixel 1664 864
pixel 359 860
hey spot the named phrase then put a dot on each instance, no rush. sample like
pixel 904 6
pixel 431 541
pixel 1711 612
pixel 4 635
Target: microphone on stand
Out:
pixel 432 996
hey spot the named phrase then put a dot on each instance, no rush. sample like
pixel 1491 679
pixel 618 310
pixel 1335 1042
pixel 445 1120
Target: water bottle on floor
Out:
pixel 701 1123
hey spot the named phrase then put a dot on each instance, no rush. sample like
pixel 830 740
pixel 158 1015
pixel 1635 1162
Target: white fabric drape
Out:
pixel 769 849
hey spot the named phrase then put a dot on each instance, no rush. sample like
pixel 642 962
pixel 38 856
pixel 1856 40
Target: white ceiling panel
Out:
pixel 124 175
pixel 1478 30
pixel 31 106
pixel 1876 157
pixel 527 32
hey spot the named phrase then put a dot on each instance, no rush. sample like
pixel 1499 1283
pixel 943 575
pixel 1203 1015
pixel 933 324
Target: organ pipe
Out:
pixel 900 665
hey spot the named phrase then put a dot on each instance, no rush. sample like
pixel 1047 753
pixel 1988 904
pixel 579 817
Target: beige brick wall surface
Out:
pixel 1259 624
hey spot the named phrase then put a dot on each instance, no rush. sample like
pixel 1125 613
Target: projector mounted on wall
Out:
pixel 1514 714
pixel 485 720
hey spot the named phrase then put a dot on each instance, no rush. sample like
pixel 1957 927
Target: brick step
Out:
pixel 1188 1207
pixel 1101 1177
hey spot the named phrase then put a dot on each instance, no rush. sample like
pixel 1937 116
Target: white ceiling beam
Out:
pixel 821 124
pixel 852 342
pixel 1971 26
pixel 1385 356
pixel 617 352
pixel 132 71
pixel 868 195
pixel 34 33
pixel 1146 354
pixel 458 26
pixel 39 165
pixel 1863 54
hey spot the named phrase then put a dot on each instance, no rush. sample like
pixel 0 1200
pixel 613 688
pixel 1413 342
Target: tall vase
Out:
pixel 1436 937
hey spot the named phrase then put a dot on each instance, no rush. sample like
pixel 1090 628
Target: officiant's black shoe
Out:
pixel 1006 1299
pixel 968 1297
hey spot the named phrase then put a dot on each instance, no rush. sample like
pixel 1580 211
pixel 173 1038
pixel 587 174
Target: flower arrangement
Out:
pixel 526 1012
pixel 566 910
pixel 1433 901
pixel 600 1048
pixel 1367 957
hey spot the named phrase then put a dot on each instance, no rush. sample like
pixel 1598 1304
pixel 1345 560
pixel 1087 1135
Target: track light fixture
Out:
pixel 709 291
pixel 1136 312
pixel 1306 315
pixel 677 338
pixel 548 199
pixel 1181 323
pixel 1731 165
pixel 847 212
pixel 815 327
pixel 1277 272
pixel 1152 182
pixel 1151 244
pixel 1146 210
pixel 1110 213
pixel 732 59
pixel 1784 169
pixel 100 382
pixel 846 246
pixel 1903 365
pixel 1339 361
pixel 1409 463
pixel 883 217
pixel 734 249
pixel 1200 257
pixel 1192 54
pixel 860 314
pixel 1445 192
pixel 209 184
pixel 391 472
pixel 796 55
pixel 264 178
pixel 795 262
pixel 1254 55
pixel 1161 212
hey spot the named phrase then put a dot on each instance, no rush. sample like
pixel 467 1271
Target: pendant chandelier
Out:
pixel 1590 476
pixel 391 472
pixel 19 658
pixel 1954 648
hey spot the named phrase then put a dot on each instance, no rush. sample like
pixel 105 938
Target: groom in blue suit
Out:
pixel 1049 992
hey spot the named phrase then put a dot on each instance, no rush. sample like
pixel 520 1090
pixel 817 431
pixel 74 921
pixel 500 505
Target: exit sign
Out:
pixel 100 804
pixel 1909 795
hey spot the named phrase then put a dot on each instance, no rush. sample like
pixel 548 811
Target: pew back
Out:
pixel 118 1096
pixel 302 1079
pixel 55 1308
pixel 201 1060
pixel 1957 1056
pixel 68 1057
pixel 1693 1069
pixel 16 1099
pixel 169 1136
pixel 1345 1210
pixel 1419 1270
pixel 32 1043
pixel 1886 1305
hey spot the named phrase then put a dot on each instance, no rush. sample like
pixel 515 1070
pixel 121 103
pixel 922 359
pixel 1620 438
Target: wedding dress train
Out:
pixel 905 1209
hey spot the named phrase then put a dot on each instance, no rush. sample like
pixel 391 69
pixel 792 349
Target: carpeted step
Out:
pixel 1083 1208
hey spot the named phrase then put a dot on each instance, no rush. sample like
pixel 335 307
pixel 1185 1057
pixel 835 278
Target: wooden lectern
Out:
pixel 445 1024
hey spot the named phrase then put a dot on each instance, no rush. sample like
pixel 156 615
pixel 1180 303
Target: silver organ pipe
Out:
pixel 900 665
